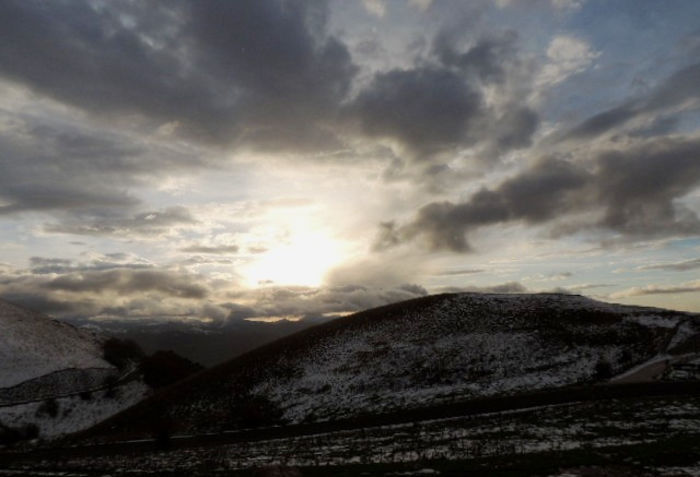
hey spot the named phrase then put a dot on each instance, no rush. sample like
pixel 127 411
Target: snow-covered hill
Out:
pixel 428 351
pixel 33 345
pixel 53 378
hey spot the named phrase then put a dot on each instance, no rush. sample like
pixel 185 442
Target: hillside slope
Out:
pixel 432 350
pixel 33 345
pixel 53 378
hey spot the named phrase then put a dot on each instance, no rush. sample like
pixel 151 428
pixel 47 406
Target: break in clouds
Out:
pixel 278 158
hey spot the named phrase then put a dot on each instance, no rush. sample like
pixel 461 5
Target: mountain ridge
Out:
pixel 436 349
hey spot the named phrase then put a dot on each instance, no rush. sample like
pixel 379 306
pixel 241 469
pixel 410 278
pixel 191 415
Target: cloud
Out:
pixel 381 272
pixel 428 109
pixel 509 287
pixel 43 265
pixel 53 164
pixel 375 7
pixel 633 189
pixel 682 266
pixel 288 302
pixel 422 4
pixel 688 287
pixel 487 59
pixel 567 56
pixel 463 271
pixel 216 249
pixel 536 195
pixel 218 71
pixel 124 287
pixel 113 285
pixel 144 224
pixel 467 94
pixel 44 170
pixel 677 90
pixel 567 4
pixel 128 282
pixel 588 286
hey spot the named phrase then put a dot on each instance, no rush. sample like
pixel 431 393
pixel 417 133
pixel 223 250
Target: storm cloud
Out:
pixel 424 108
pixel 221 71
pixel 633 190
pixel 441 105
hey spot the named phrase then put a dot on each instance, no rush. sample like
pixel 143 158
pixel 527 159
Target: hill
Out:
pixel 33 345
pixel 425 352
pixel 54 378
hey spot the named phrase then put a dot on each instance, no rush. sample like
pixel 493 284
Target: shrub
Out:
pixel 121 353
pixel 253 410
pixel 12 435
pixel 111 383
pixel 603 370
pixel 48 408
pixel 165 367
pixel 161 428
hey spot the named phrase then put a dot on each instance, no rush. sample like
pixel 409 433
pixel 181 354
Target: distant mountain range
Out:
pixel 206 343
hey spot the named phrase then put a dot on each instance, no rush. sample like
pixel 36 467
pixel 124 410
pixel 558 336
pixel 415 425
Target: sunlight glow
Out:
pixel 302 260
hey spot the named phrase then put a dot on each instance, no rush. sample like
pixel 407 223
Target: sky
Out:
pixel 213 160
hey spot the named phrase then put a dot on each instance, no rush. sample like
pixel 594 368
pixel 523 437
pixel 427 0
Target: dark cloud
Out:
pixel 464 271
pixel 218 249
pixel 55 173
pixel 223 71
pixel 675 266
pixel 635 190
pixel 486 60
pixel 428 109
pixel 43 265
pixel 638 187
pixel 438 105
pixel 129 282
pixel 514 129
pixel 152 223
pixel 674 91
pixel 104 288
pixel 55 166
pixel 541 193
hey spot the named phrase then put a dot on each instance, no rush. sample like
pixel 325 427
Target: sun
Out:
pixel 302 260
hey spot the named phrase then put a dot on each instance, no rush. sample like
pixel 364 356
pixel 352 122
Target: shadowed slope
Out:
pixel 427 351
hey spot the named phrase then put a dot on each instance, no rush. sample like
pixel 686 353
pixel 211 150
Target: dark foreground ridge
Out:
pixel 619 421
pixel 554 397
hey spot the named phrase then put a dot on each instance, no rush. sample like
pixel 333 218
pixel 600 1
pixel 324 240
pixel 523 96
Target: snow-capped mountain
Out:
pixel 423 352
